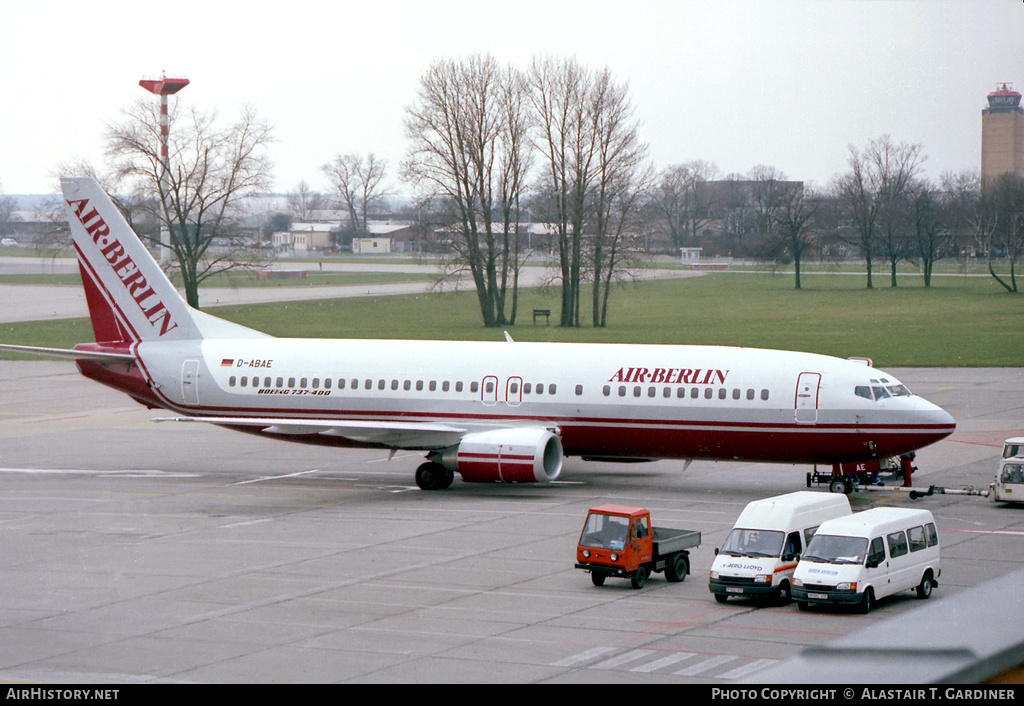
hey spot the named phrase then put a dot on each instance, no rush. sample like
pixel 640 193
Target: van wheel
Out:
pixel 721 598
pixel 865 605
pixel 925 589
pixel 784 596
pixel 803 605
pixel 596 578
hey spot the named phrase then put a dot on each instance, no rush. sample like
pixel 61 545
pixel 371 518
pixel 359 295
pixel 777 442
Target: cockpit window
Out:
pixel 880 392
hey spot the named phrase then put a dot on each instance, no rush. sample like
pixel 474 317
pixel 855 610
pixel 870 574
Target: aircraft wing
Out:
pixel 69 354
pixel 399 435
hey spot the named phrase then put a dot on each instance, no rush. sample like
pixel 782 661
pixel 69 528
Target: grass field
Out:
pixel 959 321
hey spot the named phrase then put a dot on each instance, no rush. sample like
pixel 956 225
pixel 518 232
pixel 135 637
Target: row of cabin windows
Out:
pixel 681 392
pixel 369 384
pixel 474 387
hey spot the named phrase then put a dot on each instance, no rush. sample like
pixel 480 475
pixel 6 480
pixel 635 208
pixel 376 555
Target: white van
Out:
pixel 858 559
pixel 1009 483
pixel 761 552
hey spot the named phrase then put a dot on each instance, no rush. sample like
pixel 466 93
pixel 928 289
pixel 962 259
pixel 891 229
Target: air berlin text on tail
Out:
pixel 124 267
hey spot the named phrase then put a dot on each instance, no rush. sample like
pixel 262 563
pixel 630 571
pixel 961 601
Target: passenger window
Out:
pixel 266 382
pixel 764 395
pixel 897 544
pixel 444 386
pixel 327 383
pixel 291 383
pixel 316 383
pixel 369 384
pixel 513 388
pixel 279 382
pixel 708 392
pixel 637 391
pixel 622 390
pixel 232 381
pixel 681 392
pixel 407 385
pixel 667 393
pixel 527 388
pixel 489 387
pixel 750 394
pixel 736 393
pixel 722 393
pixel 933 537
pixel 394 384
pixel 916 537
pixel 579 390
pixel 458 386
pixel 433 386
pixel 245 381
pixel 694 393
pixel 606 390
pixel 382 383
pixel 341 383
pixel 474 386
pixel 652 391
pixel 302 383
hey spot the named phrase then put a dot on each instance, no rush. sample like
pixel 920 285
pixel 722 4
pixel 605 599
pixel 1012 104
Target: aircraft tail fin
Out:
pixel 130 298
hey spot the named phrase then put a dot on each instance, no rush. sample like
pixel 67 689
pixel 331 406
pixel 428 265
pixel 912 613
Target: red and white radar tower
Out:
pixel 164 87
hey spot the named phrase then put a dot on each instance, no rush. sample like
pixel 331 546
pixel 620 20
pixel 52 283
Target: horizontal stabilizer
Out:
pixel 69 354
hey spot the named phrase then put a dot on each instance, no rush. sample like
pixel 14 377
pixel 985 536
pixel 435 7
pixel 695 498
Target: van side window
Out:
pixel 916 537
pixel 792 547
pixel 933 537
pixel 876 554
pixel 897 544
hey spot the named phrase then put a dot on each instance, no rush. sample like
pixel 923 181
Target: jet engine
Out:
pixel 513 455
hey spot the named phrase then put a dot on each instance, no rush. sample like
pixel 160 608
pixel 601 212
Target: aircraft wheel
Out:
pixel 431 476
pixel 839 485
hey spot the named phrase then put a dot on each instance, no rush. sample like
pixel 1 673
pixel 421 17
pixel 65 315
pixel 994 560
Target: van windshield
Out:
pixel 835 549
pixel 1013 473
pixel 751 542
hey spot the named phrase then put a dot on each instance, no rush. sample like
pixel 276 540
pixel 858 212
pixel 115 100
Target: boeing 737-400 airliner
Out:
pixel 501 411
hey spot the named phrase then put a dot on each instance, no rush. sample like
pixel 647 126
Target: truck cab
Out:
pixel 1009 482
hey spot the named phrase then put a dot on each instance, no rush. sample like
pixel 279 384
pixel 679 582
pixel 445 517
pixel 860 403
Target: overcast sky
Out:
pixel 786 83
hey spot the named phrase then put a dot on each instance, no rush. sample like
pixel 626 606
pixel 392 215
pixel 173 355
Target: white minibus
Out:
pixel 1009 483
pixel 868 555
pixel 761 552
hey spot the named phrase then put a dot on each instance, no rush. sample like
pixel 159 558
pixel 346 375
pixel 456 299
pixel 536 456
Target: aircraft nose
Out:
pixel 938 418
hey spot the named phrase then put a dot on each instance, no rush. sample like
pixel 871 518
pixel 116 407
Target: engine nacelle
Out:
pixel 514 455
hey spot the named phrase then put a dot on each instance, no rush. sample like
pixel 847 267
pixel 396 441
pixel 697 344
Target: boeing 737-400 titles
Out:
pixel 499 411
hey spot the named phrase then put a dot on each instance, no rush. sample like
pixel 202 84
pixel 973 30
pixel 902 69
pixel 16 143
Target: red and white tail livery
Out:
pixel 501 411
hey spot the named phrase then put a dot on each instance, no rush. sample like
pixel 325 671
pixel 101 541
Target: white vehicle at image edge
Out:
pixel 858 559
pixel 1009 482
pixel 762 550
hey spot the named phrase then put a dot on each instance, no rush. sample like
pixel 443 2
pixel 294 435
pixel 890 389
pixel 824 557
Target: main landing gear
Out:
pixel 433 476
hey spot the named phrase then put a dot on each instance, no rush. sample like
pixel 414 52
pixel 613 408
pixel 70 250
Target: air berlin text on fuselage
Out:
pixel 124 267
pixel 671 376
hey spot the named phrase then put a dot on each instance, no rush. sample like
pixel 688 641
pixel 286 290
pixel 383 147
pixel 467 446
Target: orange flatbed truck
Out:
pixel 619 541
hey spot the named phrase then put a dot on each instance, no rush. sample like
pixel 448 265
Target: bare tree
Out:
pixel 466 133
pixel 623 175
pixel 211 170
pixel 359 182
pixel 303 201
pixel 874 198
pixel 1002 211
pixel 792 231
pixel 684 199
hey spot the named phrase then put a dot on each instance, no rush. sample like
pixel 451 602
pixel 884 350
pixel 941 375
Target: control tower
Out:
pixel 1002 135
